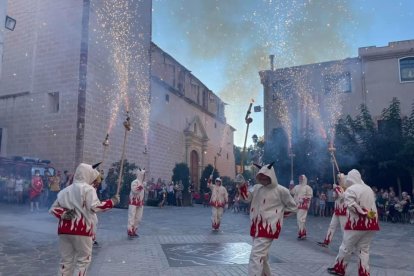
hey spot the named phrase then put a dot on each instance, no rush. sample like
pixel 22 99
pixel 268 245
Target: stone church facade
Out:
pixel 64 86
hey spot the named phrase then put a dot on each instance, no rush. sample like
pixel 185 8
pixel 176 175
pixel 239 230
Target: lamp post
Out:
pixel 128 127
pixel 248 121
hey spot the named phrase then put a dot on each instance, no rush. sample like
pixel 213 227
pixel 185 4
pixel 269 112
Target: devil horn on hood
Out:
pixel 258 166
pixel 96 165
pixel 270 165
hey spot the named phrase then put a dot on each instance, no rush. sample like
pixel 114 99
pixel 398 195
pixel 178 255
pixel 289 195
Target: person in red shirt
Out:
pixel 35 190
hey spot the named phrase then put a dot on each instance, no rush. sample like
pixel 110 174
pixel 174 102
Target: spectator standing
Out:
pixel 19 189
pixel 330 200
pixel 11 182
pixel 54 187
pixel 35 191
pixel 179 193
pixel 322 204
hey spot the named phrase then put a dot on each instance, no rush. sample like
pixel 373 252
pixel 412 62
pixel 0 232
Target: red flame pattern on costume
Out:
pixel 304 205
pixel 75 227
pixel 264 230
pixel 340 267
pixel 106 205
pixel 328 239
pixel 217 204
pixel 363 223
pixel 215 225
pixel 362 271
pixel 243 192
pixel 340 211
pixel 302 233
pixel 136 201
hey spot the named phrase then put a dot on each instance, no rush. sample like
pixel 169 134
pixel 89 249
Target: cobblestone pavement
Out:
pixel 179 241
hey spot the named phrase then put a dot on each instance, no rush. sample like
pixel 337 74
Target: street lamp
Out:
pixel 248 121
pixel 10 23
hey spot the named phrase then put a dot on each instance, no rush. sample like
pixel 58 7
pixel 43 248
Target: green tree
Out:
pixel 128 176
pixel 205 175
pixel 181 172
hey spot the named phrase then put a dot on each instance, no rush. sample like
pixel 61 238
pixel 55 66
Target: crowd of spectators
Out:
pixel 16 189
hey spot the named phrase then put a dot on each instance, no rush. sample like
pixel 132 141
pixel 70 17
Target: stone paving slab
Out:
pixel 28 244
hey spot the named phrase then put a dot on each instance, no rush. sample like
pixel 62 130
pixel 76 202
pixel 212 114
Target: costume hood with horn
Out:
pixel 360 199
pixel 76 207
pixel 302 193
pixel 219 199
pixel 81 199
pixel 136 203
pixel 360 227
pixel 269 204
pixel 136 196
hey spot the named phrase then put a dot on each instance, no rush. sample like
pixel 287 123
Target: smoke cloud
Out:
pixel 242 34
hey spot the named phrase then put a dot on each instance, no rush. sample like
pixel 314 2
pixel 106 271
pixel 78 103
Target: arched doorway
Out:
pixel 194 177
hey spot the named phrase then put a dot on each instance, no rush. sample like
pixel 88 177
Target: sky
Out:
pixel 225 43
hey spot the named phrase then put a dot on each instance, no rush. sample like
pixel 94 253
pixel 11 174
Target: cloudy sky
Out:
pixel 225 43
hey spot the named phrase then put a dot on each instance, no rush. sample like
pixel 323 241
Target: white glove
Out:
pixel 359 210
pixel 68 215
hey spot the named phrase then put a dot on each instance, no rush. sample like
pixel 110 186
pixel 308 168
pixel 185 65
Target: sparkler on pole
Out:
pixel 215 160
pixel 127 126
pixel 291 155
pixel 332 150
pixel 105 145
pixel 248 121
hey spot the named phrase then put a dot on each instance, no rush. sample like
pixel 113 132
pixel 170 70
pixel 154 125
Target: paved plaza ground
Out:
pixel 179 241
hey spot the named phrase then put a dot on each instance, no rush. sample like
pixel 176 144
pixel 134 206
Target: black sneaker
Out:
pixel 332 271
pixel 96 244
pixel 322 244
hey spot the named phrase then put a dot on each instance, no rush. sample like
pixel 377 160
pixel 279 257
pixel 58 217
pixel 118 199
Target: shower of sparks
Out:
pixel 124 38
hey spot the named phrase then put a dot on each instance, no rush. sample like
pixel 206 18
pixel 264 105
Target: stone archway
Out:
pixel 194 168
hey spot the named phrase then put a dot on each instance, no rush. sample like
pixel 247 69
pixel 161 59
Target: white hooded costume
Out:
pixel 136 203
pixel 77 229
pixel 219 199
pixel 302 193
pixel 361 224
pixel 339 216
pixel 269 204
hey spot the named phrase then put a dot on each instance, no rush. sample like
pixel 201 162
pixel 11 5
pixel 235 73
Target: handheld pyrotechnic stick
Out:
pixel 105 145
pixel 128 127
pixel 248 121
pixel 291 155
pixel 332 150
pixel 215 160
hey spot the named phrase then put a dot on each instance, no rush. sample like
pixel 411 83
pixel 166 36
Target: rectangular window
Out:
pixel 53 102
pixel 338 83
pixel 167 98
pixel 406 69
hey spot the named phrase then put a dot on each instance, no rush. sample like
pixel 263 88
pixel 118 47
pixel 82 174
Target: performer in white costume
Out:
pixel 302 193
pixel 339 216
pixel 218 201
pixel 136 203
pixel 270 203
pixel 360 227
pixel 76 207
